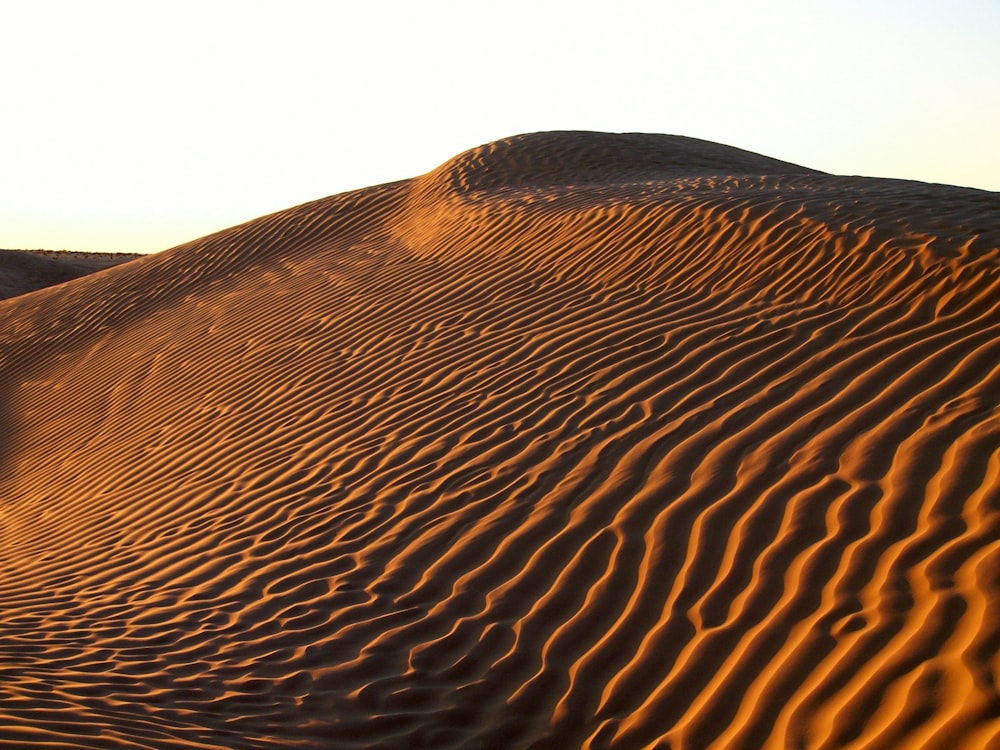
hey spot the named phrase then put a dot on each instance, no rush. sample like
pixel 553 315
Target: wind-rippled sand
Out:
pixel 580 440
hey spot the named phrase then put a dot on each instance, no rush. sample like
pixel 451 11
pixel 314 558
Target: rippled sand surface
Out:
pixel 580 440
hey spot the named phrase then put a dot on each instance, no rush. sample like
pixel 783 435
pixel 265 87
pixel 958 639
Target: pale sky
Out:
pixel 137 125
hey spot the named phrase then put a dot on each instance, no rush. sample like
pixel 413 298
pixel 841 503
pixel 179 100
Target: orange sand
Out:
pixel 580 440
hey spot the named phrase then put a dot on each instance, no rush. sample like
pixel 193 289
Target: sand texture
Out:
pixel 579 440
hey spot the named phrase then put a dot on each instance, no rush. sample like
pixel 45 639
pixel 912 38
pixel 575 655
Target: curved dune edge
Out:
pixel 698 450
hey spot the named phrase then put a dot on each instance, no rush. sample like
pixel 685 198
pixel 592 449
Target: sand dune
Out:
pixel 23 271
pixel 580 440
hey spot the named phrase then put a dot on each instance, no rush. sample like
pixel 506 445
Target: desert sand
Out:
pixel 578 441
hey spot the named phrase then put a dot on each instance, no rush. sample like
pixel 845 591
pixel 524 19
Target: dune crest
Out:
pixel 580 440
pixel 557 158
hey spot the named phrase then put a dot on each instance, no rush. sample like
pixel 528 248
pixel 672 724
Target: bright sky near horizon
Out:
pixel 136 126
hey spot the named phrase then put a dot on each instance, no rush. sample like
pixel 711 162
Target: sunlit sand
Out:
pixel 580 440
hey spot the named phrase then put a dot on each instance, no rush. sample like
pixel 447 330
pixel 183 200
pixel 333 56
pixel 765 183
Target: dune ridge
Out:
pixel 580 440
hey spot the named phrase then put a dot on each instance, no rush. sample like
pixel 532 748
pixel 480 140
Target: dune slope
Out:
pixel 580 440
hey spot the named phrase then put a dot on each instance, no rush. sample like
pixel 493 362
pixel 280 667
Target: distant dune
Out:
pixel 578 441
pixel 23 271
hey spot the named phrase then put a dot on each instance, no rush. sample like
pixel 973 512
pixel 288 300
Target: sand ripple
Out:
pixel 698 449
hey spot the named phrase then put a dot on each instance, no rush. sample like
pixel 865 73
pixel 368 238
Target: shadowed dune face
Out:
pixel 580 440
